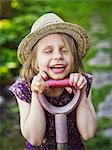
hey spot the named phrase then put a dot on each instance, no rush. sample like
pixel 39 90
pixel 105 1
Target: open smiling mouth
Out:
pixel 58 68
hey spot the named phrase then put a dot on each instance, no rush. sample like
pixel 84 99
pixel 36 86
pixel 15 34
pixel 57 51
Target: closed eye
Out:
pixel 48 50
pixel 64 50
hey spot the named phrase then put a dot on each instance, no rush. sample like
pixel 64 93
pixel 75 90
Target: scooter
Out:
pixel 60 112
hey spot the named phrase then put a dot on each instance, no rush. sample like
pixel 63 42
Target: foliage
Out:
pixel 24 13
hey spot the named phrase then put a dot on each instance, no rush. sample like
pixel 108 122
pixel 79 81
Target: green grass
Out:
pixel 94 68
pixel 10 136
pixel 104 123
pixel 99 95
pixel 99 141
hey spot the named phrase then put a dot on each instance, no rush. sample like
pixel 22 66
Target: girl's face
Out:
pixel 54 56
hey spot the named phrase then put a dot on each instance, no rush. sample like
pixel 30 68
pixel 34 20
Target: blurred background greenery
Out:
pixel 16 18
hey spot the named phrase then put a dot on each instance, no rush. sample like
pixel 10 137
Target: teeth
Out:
pixel 58 66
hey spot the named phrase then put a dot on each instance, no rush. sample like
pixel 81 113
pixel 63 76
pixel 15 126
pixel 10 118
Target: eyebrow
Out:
pixel 47 47
pixel 50 46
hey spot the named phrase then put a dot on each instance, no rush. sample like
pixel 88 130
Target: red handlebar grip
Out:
pixel 58 83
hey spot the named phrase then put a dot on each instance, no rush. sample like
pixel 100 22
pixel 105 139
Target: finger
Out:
pixel 39 88
pixel 34 88
pixel 75 79
pixel 69 89
pixel 71 79
pixel 80 81
pixel 43 75
pixel 38 81
pixel 74 91
pixel 83 83
pixel 81 86
pixel 37 77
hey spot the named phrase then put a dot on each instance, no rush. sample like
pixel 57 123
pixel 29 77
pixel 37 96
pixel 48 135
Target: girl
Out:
pixel 53 50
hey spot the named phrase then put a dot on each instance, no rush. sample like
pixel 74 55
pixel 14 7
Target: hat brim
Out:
pixel 74 30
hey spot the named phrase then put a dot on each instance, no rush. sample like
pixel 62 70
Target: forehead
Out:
pixel 52 39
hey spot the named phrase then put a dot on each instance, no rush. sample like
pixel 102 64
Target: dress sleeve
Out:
pixel 21 90
pixel 89 79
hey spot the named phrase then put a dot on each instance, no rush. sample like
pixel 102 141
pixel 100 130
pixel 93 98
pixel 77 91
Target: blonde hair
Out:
pixel 30 68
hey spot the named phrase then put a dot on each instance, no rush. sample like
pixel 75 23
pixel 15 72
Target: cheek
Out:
pixel 72 63
pixel 42 63
pixel 71 60
pixel 39 61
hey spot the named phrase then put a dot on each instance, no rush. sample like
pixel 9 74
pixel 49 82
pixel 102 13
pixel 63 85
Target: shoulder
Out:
pixel 21 89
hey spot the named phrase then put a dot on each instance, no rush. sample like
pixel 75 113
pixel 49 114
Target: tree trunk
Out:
pixel 5 9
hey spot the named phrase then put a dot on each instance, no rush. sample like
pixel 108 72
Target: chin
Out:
pixel 58 77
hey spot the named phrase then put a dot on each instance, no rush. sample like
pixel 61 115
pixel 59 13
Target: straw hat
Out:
pixel 51 23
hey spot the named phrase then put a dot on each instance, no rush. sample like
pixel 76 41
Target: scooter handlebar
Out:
pixel 58 83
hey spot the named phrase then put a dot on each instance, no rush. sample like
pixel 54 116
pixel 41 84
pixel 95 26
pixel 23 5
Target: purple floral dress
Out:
pixel 22 90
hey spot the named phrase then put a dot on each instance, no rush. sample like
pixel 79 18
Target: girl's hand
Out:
pixel 38 83
pixel 78 81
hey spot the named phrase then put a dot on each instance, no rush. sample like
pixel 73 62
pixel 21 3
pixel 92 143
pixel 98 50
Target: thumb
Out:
pixel 69 89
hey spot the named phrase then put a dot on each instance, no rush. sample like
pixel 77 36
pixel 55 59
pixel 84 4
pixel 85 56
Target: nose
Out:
pixel 58 55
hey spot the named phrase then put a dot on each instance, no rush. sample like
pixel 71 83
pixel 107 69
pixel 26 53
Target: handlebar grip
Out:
pixel 58 83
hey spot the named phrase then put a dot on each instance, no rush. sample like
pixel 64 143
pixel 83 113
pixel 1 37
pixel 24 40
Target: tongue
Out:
pixel 57 70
